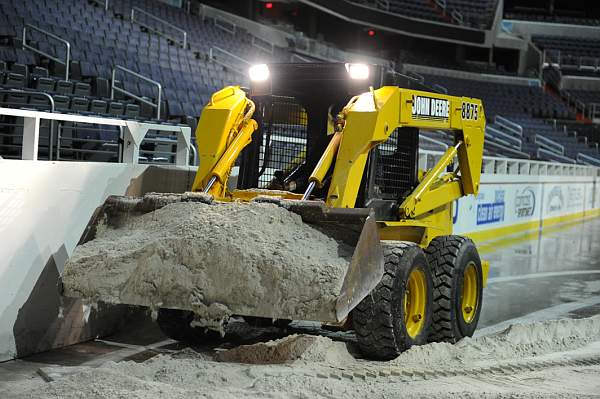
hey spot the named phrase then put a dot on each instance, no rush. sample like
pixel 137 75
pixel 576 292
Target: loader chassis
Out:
pixel 364 155
pixel 348 165
pixel 375 163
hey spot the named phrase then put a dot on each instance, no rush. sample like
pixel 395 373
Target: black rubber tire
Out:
pixel 448 256
pixel 175 324
pixel 379 318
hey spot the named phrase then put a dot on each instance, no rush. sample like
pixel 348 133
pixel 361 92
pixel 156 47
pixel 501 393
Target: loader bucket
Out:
pixel 356 227
pixel 216 280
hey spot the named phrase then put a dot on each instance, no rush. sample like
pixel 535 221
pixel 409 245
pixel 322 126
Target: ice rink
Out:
pixel 533 281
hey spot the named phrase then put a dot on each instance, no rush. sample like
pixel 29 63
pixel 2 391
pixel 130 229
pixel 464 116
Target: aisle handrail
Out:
pixel 182 43
pixel 66 62
pixel 114 87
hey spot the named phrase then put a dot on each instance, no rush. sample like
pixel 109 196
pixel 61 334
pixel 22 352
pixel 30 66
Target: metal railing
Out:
pixel 171 155
pixel 586 159
pixel 66 62
pixel 407 75
pixel 298 58
pixel 30 93
pixel 593 111
pixel 114 88
pixel 440 88
pixel 414 75
pixel 377 4
pixel 433 141
pixel 137 12
pixel 383 4
pixel 225 25
pixel 509 125
pixel 573 102
pixel 52 108
pixel 103 3
pixel 320 49
pixel 457 17
pixel 558 59
pixel 515 142
pixel 502 142
pixel 132 134
pixel 263 45
pixel 501 165
pixel 112 147
pixel 213 56
pixel 541 152
pixel 549 144
pixel 507 149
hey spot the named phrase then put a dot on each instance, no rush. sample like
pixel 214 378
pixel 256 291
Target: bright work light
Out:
pixel 358 71
pixel 259 73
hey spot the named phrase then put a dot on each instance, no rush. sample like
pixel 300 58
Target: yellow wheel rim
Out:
pixel 468 303
pixel 415 302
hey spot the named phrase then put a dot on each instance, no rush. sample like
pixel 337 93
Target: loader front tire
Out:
pixel 458 287
pixel 175 324
pixel 397 313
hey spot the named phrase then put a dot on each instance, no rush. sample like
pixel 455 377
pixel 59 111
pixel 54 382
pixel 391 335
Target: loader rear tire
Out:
pixel 397 313
pixel 458 287
pixel 175 324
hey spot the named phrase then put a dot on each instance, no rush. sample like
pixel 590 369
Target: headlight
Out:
pixel 358 71
pixel 259 73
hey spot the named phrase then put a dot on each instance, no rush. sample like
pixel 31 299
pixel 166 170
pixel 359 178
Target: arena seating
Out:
pixel 507 99
pixel 101 39
pixel 417 9
pixel 475 13
pixel 590 131
pixel 98 42
pixel 587 97
pixel 572 46
pixel 204 34
pixel 561 19
pixel 528 107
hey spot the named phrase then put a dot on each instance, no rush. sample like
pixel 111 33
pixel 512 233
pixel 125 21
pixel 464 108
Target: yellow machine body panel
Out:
pixel 421 212
pixel 223 130
pixel 368 119
pixel 373 116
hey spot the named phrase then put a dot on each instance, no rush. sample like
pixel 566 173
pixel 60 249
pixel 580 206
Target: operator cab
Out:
pixel 296 109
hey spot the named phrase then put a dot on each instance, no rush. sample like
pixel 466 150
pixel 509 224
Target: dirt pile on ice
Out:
pixel 257 258
pixel 319 372
pixel 516 342
pixel 309 348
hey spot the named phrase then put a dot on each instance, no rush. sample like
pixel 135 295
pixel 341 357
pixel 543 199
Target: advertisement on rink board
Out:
pixel 503 204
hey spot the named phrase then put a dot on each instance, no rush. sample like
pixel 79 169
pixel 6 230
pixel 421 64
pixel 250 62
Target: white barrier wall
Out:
pixel 45 207
pixel 509 203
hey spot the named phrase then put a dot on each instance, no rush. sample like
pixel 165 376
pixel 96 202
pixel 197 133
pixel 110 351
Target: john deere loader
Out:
pixel 337 144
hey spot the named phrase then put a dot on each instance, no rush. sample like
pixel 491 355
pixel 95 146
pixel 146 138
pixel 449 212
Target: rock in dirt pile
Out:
pixel 217 259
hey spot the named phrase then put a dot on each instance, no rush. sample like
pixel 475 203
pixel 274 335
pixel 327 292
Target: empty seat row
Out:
pixel 63 87
pixel 64 103
pixel 96 106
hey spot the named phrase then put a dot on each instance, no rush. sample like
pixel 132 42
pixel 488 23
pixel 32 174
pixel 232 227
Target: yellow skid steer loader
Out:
pixel 347 164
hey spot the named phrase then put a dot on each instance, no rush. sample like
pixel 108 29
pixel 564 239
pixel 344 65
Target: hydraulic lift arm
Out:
pixel 225 128
pixel 372 117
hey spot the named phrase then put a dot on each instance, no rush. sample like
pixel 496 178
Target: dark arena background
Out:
pixel 299 199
